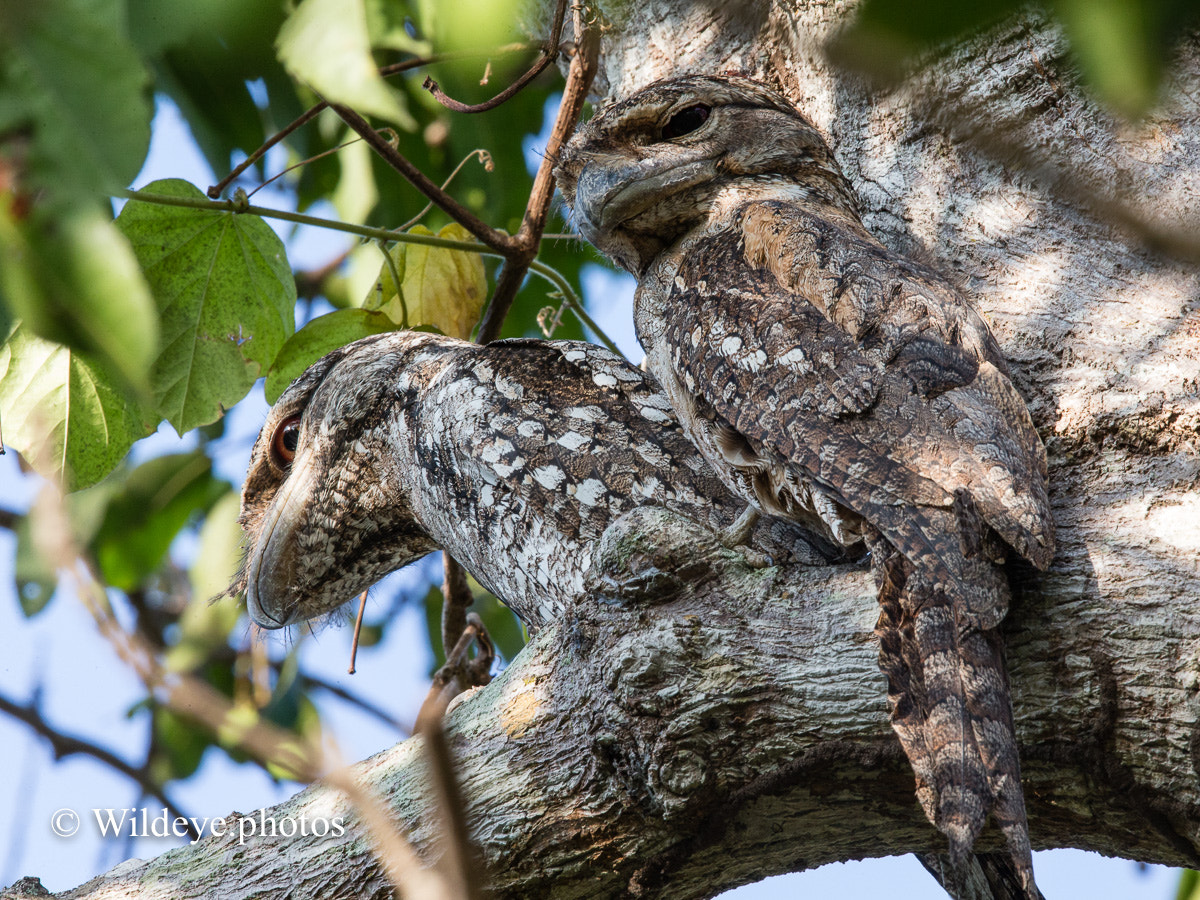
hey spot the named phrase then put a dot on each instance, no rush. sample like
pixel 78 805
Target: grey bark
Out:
pixel 695 724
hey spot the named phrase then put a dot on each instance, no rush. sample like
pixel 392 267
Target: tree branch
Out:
pixel 694 724
pixel 497 240
pixel 64 745
pixel 549 55
pixel 316 109
pixel 580 73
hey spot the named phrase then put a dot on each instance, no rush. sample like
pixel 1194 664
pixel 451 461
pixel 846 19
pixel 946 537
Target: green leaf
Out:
pixel 387 24
pixel 35 576
pixel 218 555
pixel 355 195
pixel 61 411
pixel 205 625
pixel 71 80
pixel 75 281
pixel 439 287
pixel 205 53
pixel 179 745
pixel 156 501
pixel 1189 885
pixel 226 300
pixel 318 337
pixel 326 44
pixel 471 23
pixel 1112 41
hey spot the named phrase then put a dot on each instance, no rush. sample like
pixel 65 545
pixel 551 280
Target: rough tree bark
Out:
pixel 695 725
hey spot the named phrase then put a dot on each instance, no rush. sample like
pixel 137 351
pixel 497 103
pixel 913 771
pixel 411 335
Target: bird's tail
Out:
pixel 949 697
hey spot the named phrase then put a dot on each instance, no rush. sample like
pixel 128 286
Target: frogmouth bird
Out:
pixel 836 383
pixel 513 457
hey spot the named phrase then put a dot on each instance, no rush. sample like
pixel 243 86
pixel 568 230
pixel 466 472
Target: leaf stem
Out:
pixel 365 231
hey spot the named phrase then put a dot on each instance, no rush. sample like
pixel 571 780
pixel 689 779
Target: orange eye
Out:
pixel 285 440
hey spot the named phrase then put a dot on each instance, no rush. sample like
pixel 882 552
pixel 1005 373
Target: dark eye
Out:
pixel 685 121
pixel 285 440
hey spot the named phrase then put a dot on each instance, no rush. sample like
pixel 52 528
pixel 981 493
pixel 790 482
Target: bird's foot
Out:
pixel 461 671
pixel 737 536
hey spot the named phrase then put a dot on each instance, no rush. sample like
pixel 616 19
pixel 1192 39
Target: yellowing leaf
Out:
pixel 442 288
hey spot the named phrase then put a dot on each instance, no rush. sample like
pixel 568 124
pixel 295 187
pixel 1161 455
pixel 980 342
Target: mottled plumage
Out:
pixel 836 383
pixel 514 457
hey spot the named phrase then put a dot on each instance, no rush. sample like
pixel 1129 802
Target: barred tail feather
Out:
pixel 950 705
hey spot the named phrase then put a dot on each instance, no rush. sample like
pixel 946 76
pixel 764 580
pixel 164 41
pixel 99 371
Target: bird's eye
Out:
pixel 685 121
pixel 285 440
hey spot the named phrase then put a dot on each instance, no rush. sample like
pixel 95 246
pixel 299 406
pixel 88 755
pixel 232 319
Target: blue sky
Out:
pixel 86 691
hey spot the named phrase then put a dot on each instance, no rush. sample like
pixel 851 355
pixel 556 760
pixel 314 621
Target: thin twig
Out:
pixel 65 745
pixel 483 156
pixel 459 671
pixel 358 620
pixel 304 162
pixel 528 238
pixel 215 191
pixel 497 240
pixel 549 55
pixel 456 600
pixel 507 94
pixel 365 231
pixel 459 865
pixel 354 700
pixel 313 111
pixel 304 758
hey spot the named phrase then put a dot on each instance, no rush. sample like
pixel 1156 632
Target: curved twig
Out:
pixel 550 54
pixel 312 112
pixel 528 238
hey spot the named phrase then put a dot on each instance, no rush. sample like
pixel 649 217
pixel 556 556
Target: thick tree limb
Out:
pixel 673 745
pixel 697 724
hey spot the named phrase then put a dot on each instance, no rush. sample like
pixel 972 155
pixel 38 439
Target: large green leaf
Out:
pixel 61 411
pixel 468 24
pixel 75 281
pixel 389 23
pixel 226 299
pixel 325 43
pixel 71 81
pixel 143 517
pixel 1189 885
pixel 318 337
pixel 205 55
